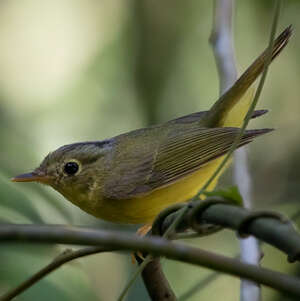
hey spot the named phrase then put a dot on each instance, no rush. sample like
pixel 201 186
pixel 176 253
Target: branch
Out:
pixel 155 281
pixel 221 40
pixel 269 227
pixel 213 276
pixel 285 238
pixel 66 256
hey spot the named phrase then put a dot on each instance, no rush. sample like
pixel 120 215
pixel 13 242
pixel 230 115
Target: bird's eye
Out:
pixel 71 168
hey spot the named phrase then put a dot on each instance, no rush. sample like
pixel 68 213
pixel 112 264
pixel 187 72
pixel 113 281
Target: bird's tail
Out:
pixel 218 114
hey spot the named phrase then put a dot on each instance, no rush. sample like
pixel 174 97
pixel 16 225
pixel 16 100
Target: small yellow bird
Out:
pixel 130 178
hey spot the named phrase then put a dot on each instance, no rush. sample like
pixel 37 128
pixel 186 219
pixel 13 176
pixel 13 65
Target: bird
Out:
pixel 131 177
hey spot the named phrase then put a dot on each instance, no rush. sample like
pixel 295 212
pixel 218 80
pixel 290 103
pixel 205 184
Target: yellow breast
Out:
pixel 145 209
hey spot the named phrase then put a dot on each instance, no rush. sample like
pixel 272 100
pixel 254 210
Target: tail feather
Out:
pixel 219 111
pixel 258 113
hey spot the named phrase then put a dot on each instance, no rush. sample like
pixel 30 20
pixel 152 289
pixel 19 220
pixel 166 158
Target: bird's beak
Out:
pixel 32 177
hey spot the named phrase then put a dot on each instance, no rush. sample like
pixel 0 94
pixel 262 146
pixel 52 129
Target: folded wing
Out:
pixel 179 153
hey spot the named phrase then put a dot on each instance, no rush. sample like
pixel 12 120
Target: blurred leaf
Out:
pixel 231 194
pixel 18 262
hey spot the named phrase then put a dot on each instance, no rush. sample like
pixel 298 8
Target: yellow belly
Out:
pixel 145 209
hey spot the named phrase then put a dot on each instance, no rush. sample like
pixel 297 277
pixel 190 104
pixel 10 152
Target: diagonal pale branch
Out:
pixel 221 40
pixel 203 283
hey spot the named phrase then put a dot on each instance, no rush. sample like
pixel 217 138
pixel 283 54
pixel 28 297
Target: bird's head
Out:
pixel 73 169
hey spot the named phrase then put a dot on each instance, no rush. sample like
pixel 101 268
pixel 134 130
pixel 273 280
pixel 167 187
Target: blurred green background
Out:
pixel 91 69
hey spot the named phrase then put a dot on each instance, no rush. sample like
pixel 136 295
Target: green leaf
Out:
pixel 231 194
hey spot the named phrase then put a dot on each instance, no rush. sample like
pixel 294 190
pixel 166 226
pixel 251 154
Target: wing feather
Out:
pixel 176 154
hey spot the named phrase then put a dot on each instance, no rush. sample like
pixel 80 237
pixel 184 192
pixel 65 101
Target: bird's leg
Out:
pixel 142 231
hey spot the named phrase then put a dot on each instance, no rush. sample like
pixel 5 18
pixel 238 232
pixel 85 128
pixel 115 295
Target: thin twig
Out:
pixel 66 256
pixel 199 286
pixel 223 47
pixel 250 248
pixel 147 261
